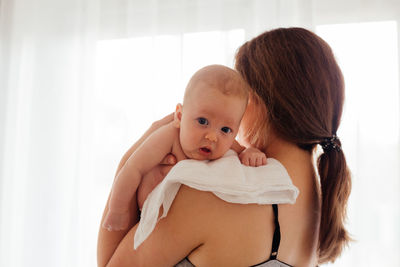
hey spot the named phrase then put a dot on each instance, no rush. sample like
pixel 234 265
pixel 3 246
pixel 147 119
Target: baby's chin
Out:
pixel 202 155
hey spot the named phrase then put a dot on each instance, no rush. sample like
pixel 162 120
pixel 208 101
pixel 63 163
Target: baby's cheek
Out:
pixel 225 147
pixel 186 141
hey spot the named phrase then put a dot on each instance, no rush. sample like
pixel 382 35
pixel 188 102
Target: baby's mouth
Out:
pixel 205 150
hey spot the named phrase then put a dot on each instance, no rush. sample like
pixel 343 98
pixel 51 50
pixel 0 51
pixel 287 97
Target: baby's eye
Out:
pixel 202 121
pixel 226 129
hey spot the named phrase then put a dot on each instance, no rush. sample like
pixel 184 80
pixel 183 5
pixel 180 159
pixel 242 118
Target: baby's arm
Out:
pixel 148 155
pixel 238 148
pixel 249 156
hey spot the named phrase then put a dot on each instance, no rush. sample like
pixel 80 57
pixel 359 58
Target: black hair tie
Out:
pixel 331 143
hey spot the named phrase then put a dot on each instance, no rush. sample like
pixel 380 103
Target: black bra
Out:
pixel 276 240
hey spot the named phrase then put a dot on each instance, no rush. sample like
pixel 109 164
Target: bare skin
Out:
pixel 300 239
pixel 204 129
pixel 109 241
pixel 212 232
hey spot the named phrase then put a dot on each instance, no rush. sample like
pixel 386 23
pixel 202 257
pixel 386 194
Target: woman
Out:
pixel 295 104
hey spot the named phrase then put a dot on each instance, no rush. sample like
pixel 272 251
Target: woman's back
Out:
pixel 241 235
pixel 299 223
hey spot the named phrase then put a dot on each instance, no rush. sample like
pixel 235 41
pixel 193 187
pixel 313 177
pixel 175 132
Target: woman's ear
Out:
pixel 178 115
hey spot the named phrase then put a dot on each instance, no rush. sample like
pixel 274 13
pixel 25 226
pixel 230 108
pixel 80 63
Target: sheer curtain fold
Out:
pixel 141 18
pixel 76 75
pixel 44 48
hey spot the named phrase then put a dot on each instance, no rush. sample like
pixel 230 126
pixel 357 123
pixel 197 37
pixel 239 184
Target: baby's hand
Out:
pixel 252 157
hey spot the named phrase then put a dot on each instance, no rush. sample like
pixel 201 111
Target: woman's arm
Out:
pixel 174 237
pixel 108 241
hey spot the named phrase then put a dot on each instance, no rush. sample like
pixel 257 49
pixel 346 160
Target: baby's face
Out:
pixel 209 122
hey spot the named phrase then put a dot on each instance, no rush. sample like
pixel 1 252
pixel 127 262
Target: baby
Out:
pixel 204 128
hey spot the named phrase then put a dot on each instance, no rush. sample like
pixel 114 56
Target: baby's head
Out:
pixel 213 106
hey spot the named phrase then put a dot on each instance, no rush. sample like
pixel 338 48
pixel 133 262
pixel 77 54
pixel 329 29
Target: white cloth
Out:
pixel 227 178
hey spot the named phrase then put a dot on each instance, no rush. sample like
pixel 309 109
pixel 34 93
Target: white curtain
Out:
pixel 80 80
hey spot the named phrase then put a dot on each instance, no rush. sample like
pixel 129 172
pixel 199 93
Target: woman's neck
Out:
pixel 286 152
pixel 297 162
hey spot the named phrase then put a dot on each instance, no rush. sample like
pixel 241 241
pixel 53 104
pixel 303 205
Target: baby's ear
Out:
pixel 178 115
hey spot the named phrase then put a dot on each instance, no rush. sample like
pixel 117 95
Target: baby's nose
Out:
pixel 211 136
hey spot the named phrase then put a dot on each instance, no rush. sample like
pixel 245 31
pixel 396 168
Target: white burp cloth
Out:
pixel 227 178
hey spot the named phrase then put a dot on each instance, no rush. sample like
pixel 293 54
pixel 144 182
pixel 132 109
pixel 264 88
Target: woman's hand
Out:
pixel 157 124
pixel 155 176
pixel 161 170
pixel 154 126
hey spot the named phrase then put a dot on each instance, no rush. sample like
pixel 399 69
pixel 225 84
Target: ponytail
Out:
pixel 335 188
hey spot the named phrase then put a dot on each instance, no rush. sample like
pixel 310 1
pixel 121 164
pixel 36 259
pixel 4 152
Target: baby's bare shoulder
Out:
pixel 169 128
pixel 166 132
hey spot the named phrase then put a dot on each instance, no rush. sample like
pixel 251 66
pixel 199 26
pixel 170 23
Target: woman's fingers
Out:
pixel 170 159
pixel 167 119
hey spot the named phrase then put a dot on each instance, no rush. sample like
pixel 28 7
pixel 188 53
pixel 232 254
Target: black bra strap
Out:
pixel 277 234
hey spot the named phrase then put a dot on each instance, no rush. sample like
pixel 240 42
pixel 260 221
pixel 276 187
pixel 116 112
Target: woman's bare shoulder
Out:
pixel 248 228
pixel 216 217
pixel 207 202
pixel 194 201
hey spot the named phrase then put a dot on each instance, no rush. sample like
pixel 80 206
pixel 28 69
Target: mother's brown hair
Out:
pixel 294 72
